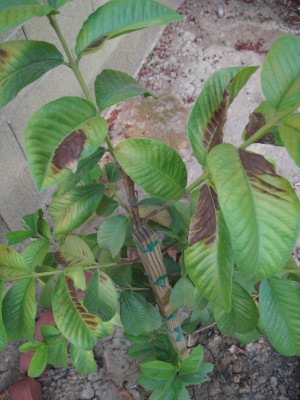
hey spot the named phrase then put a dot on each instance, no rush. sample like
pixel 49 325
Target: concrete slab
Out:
pixel 3 230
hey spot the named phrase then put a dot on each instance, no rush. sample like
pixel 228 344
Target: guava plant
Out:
pixel 232 231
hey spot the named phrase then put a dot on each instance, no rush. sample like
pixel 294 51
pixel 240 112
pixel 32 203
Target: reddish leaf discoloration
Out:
pixel 89 319
pixel 214 129
pixel 204 223
pixel 60 259
pixel 256 163
pixel 3 54
pixel 68 152
pixel 256 121
pixel 103 278
pixel 97 43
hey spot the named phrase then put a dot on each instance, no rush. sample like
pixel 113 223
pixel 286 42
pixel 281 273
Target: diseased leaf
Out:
pixel 279 301
pixel 243 315
pixel 257 119
pixel 75 252
pixel 3 336
pixel 16 12
pixel 112 87
pixel 112 234
pixel 23 62
pixel 118 17
pixel 84 167
pixel 157 168
pixel 209 114
pixel 83 360
pixel 209 260
pixel 19 310
pixel 74 208
pixel 12 263
pixel 57 135
pixel 280 76
pixel 73 320
pixel 260 209
pixel 289 132
pixel 101 297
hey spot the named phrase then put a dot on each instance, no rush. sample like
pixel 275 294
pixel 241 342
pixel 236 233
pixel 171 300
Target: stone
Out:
pixel 273 382
pixel 87 392
pixel 26 389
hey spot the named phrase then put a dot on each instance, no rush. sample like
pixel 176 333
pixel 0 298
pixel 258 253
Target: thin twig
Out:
pixel 204 328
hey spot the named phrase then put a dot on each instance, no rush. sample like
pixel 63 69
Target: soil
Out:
pixel 214 34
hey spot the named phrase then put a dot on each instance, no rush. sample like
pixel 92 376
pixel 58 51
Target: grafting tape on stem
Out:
pixel 159 281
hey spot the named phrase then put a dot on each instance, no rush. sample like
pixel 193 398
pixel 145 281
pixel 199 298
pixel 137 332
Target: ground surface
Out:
pixel 214 34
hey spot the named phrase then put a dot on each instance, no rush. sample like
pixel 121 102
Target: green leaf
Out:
pixel 209 260
pixel 154 318
pixel 83 168
pixel 101 297
pixel 151 384
pixel 118 17
pixel 133 312
pixel 35 253
pixel 38 362
pixel 16 12
pixel 121 275
pixel 46 294
pixel 57 353
pixel 209 114
pixel 16 237
pixel 193 362
pixel 154 166
pixel 280 76
pixel 112 234
pixel 289 132
pixel 57 135
pixel 74 208
pixel 83 360
pixel 279 301
pixel 112 172
pixel 72 319
pixel 158 370
pixel 173 390
pixel 246 338
pixel 12 263
pixel 260 209
pixel 23 62
pixel 19 310
pixel 106 206
pixel 264 113
pixel 3 337
pixel 57 3
pixel 243 316
pixel 30 221
pixel 198 377
pixel 112 87
pixel 31 345
pixel 182 294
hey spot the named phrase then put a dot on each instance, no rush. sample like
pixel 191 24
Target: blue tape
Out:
pixel 159 281
pixel 149 249
pixel 171 316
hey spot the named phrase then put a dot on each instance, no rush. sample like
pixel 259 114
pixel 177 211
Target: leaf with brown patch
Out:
pixel 58 135
pixel 12 263
pixel 209 259
pixel 260 209
pixel 257 119
pixel 79 326
pixel 22 62
pixel 209 114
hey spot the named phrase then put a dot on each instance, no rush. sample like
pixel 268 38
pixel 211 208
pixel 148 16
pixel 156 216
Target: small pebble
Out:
pixel 87 392
pixel 273 382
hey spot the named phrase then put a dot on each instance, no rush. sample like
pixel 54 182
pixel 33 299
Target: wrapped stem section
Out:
pixel 146 242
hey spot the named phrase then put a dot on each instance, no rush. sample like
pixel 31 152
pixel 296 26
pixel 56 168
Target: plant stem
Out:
pixel 196 183
pixel 77 72
pixel 73 64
